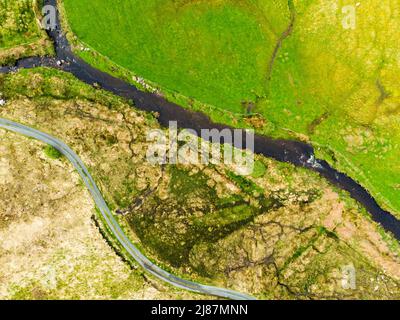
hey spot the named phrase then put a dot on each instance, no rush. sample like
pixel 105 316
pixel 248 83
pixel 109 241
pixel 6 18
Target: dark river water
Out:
pixel 298 153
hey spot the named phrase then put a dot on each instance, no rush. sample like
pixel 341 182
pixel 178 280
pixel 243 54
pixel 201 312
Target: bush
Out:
pixel 52 152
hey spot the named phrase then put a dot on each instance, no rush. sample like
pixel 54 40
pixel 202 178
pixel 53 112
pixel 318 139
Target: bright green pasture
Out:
pixel 213 51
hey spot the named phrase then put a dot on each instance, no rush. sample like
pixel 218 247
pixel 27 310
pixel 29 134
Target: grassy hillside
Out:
pixel 68 257
pixel 317 79
pixel 340 88
pixel 282 233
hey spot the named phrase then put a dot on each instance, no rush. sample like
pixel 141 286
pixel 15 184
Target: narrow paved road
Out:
pixel 112 223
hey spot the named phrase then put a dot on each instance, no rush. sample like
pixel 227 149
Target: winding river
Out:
pixel 298 153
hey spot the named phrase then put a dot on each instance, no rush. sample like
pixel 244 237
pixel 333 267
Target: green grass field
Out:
pixel 330 84
pixel 17 20
pixel 340 88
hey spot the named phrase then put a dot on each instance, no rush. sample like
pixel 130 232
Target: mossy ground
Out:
pixel 18 23
pixel 215 51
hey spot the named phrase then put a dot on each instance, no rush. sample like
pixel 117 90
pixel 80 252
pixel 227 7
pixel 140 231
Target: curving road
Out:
pixel 112 223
